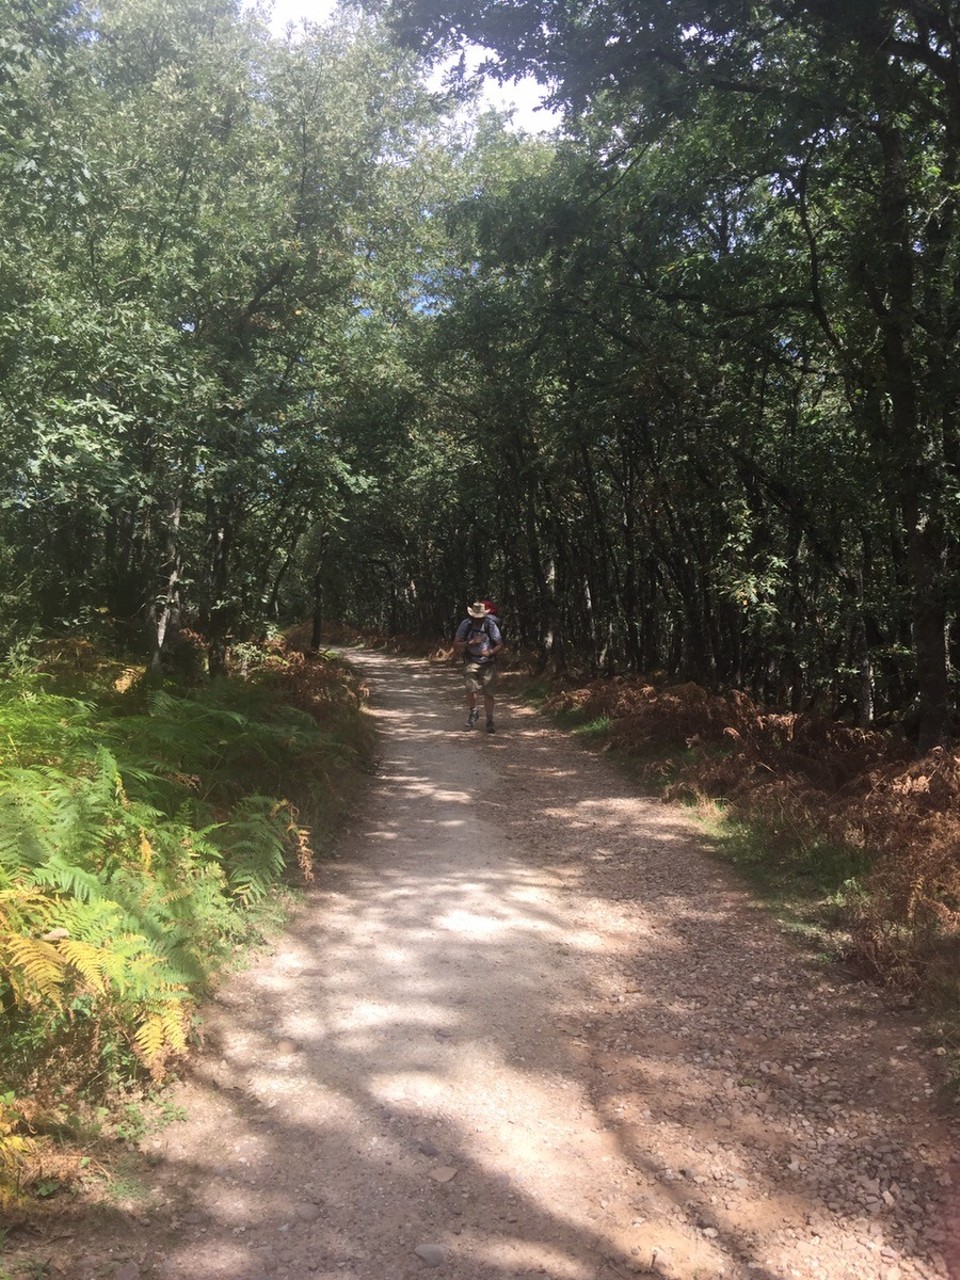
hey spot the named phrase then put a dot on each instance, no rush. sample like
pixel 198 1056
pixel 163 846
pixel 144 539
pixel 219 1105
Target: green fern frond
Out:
pixel 66 878
pixel 135 843
pixel 95 921
pixel 254 848
pixel 107 779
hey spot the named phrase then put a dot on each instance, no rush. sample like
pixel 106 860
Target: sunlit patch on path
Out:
pixel 522 1027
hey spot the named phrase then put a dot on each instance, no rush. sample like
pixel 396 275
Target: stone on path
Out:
pixel 308 1212
pixel 431 1254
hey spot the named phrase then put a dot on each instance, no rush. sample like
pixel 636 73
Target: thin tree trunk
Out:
pixel 318 596
pixel 164 612
pixel 219 616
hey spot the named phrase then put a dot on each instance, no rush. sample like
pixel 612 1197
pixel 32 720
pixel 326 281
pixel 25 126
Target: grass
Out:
pixel 582 724
pixel 845 837
pixel 596 729
pixel 807 882
pixel 151 1114
pixel 125 1188
pixel 536 693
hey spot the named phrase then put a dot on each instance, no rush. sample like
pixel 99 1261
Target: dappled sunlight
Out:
pixel 420 1090
pixel 538 1256
pixel 469 924
pixel 458 797
pixel 518 1130
pixel 536 1047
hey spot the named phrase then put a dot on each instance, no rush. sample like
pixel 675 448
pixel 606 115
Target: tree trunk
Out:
pixel 163 614
pixel 219 618
pixel 317 626
pixel 921 483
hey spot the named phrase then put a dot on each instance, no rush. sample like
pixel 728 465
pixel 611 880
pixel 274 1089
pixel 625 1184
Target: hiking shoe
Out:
pixel 489 726
pixel 472 718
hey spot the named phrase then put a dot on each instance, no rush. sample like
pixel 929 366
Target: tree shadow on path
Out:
pixel 523 1026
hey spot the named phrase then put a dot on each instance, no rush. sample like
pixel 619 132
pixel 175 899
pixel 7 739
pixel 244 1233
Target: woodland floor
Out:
pixel 524 1026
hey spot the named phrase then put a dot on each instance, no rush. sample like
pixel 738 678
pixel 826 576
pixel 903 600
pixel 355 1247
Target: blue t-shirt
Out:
pixel 481 635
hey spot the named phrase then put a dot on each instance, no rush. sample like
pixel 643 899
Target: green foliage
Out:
pixel 151 1115
pixel 193 217
pixel 583 724
pixel 701 357
pixel 810 880
pixel 597 729
pixel 678 388
pixel 134 842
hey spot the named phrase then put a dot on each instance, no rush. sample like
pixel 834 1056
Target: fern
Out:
pixel 15 1150
pixel 38 725
pixel 24 910
pixel 130 846
pixel 91 963
pixel 68 879
pixel 161 1030
pixel 34 969
pixel 254 848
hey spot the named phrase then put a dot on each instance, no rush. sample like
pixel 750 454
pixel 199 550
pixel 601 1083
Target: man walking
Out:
pixel 478 638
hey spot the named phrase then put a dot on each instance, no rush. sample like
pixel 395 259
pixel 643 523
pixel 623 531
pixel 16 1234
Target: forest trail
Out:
pixel 523 1027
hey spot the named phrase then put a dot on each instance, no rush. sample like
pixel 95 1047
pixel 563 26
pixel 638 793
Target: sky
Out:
pixel 523 97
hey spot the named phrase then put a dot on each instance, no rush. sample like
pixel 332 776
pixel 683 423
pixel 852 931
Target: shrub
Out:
pixel 136 833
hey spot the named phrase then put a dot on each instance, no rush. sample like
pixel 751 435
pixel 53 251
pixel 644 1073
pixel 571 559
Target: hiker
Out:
pixel 478 638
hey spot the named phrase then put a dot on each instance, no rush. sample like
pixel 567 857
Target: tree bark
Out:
pixel 164 611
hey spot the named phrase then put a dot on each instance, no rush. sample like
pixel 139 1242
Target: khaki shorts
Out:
pixel 480 677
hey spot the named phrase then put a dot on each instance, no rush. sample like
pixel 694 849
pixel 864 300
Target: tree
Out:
pixel 848 118
pixel 174 383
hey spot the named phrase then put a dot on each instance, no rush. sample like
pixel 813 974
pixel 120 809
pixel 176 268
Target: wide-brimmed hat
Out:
pixel 478 609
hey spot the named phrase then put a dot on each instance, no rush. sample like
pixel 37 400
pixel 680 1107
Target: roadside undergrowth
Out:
pixel 851 838
pixel 148 831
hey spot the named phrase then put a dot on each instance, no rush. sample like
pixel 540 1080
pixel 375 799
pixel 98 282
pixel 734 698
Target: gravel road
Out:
pixel 524 1027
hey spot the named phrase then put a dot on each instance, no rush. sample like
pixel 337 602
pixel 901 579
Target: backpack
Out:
pixel 493 615
pixel 483 624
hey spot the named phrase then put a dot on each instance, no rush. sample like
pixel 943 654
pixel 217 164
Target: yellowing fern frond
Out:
pixel 162 1030
pixel 88 960
pixel 151 1037
pixel 15 1151
pixel 146 851
pixel 175 1023
pixel 24 909
pixel 40 963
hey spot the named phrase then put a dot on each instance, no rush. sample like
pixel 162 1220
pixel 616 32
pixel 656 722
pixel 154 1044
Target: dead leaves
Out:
pixel 811 779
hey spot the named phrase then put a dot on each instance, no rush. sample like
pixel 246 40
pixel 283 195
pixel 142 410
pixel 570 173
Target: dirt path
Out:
pixel 524 1028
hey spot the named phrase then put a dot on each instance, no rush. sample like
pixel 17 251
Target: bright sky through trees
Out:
pixel 524 97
